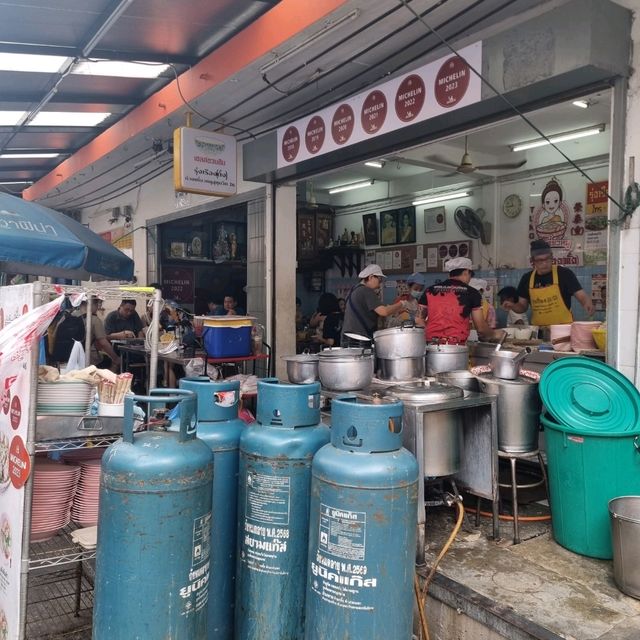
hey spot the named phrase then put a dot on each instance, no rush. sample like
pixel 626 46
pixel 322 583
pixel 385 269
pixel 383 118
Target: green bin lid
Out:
pixel 584 393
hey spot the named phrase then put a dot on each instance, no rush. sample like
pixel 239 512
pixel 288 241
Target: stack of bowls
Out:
pixel 69 397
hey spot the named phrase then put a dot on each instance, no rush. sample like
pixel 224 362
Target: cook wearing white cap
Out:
pixel 452 303
pixel 488 310
pixel 364 307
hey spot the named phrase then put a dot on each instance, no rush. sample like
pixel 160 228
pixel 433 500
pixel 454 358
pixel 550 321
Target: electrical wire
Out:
pixel 205 118
pixel 511 106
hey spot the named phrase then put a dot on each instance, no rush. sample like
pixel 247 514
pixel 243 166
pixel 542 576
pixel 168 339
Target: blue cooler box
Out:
pixel 227 341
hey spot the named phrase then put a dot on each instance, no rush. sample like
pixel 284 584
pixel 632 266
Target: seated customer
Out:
pixel 124 322
pixel 332 325
pixel 102 354
pixel 230 307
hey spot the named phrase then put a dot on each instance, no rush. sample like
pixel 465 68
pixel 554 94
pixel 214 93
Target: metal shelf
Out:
pixel 58 551
pixel 88 442
pixel 59 603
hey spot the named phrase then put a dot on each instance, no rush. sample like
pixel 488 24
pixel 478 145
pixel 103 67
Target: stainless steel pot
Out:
pixel 345 369
pixel 446 357
pixel 506 364
pixel 399 342
pixel 401 369
pixel 302 368
pixel 441 430
pixel 518 411
pixel 462 378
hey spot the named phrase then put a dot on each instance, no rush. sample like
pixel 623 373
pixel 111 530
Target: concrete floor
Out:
pixel 538 588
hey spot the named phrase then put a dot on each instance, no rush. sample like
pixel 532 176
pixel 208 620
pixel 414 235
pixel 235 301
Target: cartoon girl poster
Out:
pixel 551 216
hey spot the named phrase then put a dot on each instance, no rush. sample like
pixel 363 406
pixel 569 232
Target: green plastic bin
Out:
pixel 587 469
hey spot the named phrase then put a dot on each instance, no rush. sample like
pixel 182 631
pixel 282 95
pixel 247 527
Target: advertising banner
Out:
pixel 20 329
pixel 431 90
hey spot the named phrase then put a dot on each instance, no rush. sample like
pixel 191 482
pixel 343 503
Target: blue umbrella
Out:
pixel 37 240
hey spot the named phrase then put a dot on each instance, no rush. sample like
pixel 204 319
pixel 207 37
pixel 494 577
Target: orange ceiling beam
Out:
pixel 268 32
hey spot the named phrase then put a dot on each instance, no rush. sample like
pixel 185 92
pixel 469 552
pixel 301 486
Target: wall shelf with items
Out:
pixel 348 259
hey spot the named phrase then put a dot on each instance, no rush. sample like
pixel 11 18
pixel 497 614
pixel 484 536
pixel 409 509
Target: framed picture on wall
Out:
pixel 406 225
pixel 370 226
pixel 388 227
pixel 435 220
pixel 324 230
pixel 305 234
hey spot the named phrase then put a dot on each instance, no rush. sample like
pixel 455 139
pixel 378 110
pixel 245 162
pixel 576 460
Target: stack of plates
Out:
pixel 84 510
pixel 65 398
pixel 54 485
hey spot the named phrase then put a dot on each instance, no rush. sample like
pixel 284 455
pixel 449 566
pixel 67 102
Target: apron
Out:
pixel 547 305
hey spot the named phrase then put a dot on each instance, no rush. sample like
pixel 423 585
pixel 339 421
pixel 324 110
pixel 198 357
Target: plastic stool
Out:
pixel 514 486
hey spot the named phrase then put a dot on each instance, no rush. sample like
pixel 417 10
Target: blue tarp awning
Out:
pixel 37 240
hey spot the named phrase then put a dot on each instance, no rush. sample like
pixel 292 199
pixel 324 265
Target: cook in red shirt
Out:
pixel 451 303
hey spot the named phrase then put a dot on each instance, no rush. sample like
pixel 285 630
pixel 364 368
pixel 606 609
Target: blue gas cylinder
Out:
pixel 152 563
pixel 273 510
pixel 219 426
pixel 362 530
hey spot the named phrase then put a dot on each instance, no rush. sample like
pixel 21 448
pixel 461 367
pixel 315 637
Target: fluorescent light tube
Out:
pixel 119 69
pixel 67 119
pixel 16 182
pixel 376 164
pixel 10 118
pixel 561 137
pixel 583 104
pixel 31 63
pixel 349 187
pixel 442 198
pixel 9 156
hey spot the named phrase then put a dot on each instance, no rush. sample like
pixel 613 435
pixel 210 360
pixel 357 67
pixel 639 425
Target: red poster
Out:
pixel 177 284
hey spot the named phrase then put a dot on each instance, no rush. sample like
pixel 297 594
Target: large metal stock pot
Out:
pixel 446 357
pixel 345 369
pixel 302 368
pixel 399 342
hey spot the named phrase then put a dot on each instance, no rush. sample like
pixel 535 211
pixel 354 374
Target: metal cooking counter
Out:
pixel 478 472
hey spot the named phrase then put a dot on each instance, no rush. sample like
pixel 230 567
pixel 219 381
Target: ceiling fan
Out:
pixel 466 165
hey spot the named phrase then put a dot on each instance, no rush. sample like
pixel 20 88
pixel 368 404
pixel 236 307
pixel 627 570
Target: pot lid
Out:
pixel 426 391
pixel 357 337
pixel 344 353
pixel 584 393
pixel 302 357
pixel 397 331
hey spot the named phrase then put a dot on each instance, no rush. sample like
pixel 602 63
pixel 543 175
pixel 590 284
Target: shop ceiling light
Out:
pixel 16 182
pixel 30 63
pixel 119 69
pixel 10 118
pixel 583 104
pixel 67 119
pixel 560 137
pixel 376 164
pixel 441 198
pixel 350 187
pixel 328 27
pixel 10 156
